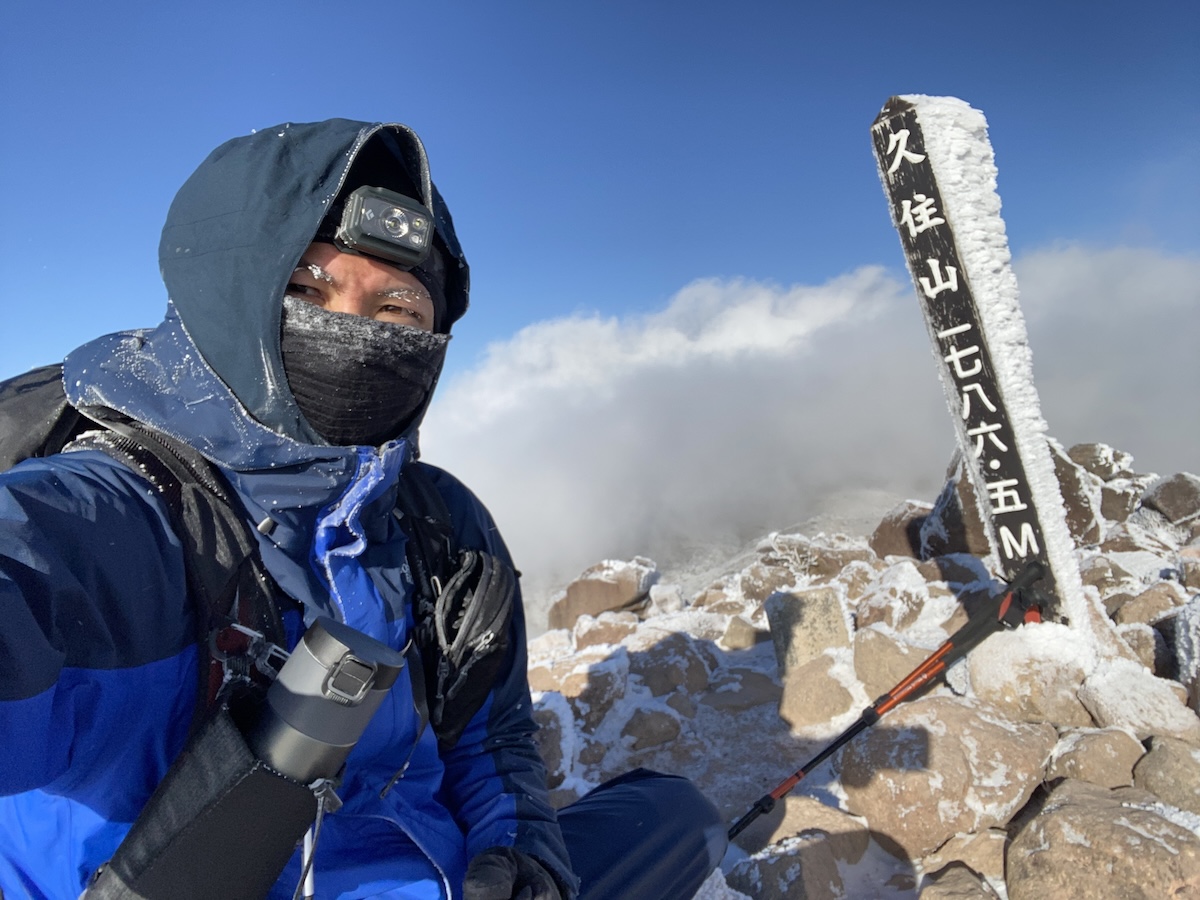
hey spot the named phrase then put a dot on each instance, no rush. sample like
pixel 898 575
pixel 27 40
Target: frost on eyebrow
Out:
pixel 317 272
pixel 409 294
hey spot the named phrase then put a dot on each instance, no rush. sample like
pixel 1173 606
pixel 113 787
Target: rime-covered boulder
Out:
pixel 801 868
pixel 846 835
pixel 1081 496
pixel 899 532
pixel 1171 771
pixel 981 851
pixel 813 695
pixel 804 624
pixel 1120 692
pixel 1186 647
pixel 1149 645
pixel 740 634
pixel 897 597
pixel 1189 562
pixel 1106 575
pixel 610 585
pixel 939 766
pixel 953 525
pixel 1089 843
pixel 1177 497
pixel 1118 499
pixel 1102 756
pixel 591 681
pixel 651 728
pixel 606 628
pixel 741 689
pixel 957 882
pixel 882 657
pixel 814 560
pixel 1033 674
pixel 672 662
pixel 762 580
pixel 1151 605
pixel 1101 460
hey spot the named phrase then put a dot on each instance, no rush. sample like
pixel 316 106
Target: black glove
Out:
pixel 503 873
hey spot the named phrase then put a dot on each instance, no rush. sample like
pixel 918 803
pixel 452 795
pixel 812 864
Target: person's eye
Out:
pixel 303 291
pixel 402 311
pixel 407 307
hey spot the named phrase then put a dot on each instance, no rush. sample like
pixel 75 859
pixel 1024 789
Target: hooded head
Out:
pixel 239 226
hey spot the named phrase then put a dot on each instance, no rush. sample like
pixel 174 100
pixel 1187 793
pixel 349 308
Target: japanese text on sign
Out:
pixel 920 216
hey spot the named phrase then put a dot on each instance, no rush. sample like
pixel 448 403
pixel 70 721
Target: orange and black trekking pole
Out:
pixel 1005 610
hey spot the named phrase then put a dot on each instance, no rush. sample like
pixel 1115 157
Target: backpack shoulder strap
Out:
pixel 237 614
pixel 226 578
pixel 35 417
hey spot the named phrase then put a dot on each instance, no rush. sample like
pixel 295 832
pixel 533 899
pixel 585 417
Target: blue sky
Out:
pixel 609 163
pixel 596 155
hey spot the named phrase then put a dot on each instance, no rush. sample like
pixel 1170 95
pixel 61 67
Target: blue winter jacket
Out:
pixel 97 636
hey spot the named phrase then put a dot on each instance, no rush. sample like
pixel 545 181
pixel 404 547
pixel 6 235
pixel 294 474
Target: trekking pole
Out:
pixel 1006 610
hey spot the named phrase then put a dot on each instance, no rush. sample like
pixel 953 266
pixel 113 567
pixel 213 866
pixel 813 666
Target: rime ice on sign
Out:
pixel 937 170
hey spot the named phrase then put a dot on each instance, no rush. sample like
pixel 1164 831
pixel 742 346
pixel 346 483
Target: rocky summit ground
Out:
pixel 1049 763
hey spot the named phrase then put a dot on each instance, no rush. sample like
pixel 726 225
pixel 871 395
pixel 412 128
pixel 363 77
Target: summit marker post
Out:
pixel 939 175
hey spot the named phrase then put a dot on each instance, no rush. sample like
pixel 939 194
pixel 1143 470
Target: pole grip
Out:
pixel 764 804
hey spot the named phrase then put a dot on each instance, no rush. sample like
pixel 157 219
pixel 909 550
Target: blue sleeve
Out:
pixel 97 639
pixel 496 778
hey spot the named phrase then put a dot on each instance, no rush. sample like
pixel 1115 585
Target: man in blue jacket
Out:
pixel 299 358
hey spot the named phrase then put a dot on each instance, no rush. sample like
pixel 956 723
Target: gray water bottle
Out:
pixel 320 704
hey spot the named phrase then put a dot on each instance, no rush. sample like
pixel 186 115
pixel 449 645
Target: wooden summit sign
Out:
pixel 947 214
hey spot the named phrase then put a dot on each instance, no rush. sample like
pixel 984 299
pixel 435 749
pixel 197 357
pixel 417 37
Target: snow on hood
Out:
pixel 239 225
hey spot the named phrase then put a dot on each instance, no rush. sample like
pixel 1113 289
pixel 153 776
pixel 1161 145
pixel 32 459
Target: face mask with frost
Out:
pixel 357 381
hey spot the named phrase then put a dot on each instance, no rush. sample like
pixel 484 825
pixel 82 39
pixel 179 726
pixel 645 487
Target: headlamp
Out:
pixel 387 225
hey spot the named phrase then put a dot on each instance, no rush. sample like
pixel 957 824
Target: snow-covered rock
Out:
pixel 1103 756
pixel 1177 498
pixel 957 882
pixel 1120 692
pixel 899 532
pixel 981 852
pixel 1101 460
pixel 610 585
pixel 1033 674
pixel 1090 843
pixel 804 624
pixel 1171 771
pixel 1038 735
pixel 941 766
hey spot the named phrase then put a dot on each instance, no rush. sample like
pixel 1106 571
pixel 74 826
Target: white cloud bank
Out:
pixel 743 407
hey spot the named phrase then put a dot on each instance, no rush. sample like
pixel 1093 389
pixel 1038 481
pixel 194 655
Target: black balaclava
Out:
pixel 358 381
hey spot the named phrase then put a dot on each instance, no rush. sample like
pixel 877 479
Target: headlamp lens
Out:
pixel 396 222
